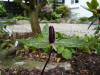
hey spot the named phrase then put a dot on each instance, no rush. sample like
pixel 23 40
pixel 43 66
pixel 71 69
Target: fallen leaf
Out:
pixel 33 51
pixel 58 60
pixel 42 56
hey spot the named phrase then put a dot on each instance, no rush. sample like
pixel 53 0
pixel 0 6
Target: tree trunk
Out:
pixel 34 23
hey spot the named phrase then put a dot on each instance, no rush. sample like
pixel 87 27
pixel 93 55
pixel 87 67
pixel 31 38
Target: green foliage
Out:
pixel 93 7
pixel 56 16
pixel 71 43
pixel 83 19
pixel 92 43
pixel 5 44
pixel 2 10
pixel 93 4
pixel 97 30
pixel 19 17
pixel 65 46
pixel 67 54
pixel 63 10
pixel 45 32
pixel 10 16
pixel 1 28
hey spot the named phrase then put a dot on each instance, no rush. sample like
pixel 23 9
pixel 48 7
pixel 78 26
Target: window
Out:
pixel 74 1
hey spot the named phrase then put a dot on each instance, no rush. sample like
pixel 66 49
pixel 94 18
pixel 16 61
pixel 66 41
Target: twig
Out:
pixel 46 63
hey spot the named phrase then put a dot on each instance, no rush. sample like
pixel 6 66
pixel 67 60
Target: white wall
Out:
pixel 77 9
pixel 6 0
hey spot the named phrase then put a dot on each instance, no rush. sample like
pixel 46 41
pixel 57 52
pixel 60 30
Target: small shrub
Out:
pixel 10 15
pixel 2 10
pixel 63 10
pixel 55 16
pixel 83 19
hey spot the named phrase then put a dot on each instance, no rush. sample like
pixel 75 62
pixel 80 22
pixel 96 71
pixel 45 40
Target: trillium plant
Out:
pixel 49 42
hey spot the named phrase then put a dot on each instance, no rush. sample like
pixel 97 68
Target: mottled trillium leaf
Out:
pixel 45 31
pixel 60 49
pixel 35 43
pixel 67 54
pixel 71 43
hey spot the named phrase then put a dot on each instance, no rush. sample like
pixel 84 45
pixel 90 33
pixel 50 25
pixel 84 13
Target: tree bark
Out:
pixel 34 22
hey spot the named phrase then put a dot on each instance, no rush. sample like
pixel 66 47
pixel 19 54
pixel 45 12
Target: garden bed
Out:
pixel 82 64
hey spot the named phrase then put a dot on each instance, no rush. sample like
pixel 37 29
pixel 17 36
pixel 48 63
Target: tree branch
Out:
pixel 23 5
pixel 41 4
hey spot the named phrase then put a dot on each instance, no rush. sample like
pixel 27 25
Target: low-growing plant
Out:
pixel 93 43
pixel 63 10
pixel 83 19
pixel 55 16
pixel 10 16
pixel 2 9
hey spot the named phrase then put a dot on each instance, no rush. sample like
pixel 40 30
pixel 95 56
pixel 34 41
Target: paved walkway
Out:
pixel 69 29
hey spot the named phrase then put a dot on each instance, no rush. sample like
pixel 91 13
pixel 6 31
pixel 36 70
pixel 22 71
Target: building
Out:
pixel 76 7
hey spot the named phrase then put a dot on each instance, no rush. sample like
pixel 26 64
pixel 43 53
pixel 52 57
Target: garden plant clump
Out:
pixel 2 10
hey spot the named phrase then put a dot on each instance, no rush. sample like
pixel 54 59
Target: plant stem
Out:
pixel 46 63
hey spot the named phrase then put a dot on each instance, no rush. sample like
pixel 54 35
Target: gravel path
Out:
pixel 69 29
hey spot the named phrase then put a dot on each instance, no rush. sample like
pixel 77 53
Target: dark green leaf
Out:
pixel 89 5
pixel 60 49
pixel 87 49
pixel 35 43
pixel 87 8
pixel 67 54
pixel 45 31
pixel 94 4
